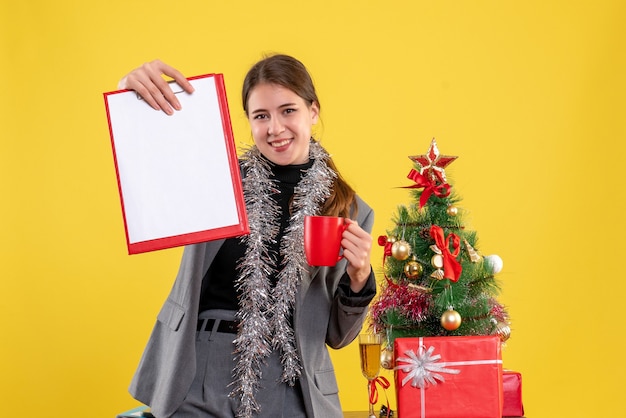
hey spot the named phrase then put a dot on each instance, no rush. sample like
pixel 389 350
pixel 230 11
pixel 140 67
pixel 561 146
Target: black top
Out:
pixel 218 289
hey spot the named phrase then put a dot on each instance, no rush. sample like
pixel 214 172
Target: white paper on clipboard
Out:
pixel 178 175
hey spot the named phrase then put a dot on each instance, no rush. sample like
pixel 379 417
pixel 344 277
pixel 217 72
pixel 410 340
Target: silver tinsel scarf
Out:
pixel 265 312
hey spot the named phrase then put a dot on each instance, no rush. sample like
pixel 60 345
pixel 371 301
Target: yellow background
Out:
pixel 530 95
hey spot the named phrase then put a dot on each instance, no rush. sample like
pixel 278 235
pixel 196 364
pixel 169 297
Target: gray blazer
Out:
pixel 168 365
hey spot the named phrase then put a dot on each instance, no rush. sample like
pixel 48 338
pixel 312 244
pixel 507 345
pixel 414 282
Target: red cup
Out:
pixel 322 239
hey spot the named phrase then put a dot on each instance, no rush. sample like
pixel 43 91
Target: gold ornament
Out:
pixel 451 320
pixel 386 359
pixel 437 262
pixel 473 255
pixel 413 269
pixel 437 274
pixel 503 330
pixel 452 210
pixel 401 250
pixel 418 288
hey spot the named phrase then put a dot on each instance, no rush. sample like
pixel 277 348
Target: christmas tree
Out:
pixel 436 281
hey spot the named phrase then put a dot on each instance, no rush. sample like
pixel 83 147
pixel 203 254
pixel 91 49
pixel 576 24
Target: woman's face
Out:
pixel 281 123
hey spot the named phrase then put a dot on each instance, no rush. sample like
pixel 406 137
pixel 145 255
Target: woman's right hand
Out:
pixel 148 82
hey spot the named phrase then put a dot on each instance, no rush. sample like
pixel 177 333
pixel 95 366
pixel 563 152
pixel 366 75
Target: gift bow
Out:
pixel 383 382
pixel 422 368
pixel 451 267
pixel 430 187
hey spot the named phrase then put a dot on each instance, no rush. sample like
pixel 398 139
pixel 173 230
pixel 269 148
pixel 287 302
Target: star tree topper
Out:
pixel 433 164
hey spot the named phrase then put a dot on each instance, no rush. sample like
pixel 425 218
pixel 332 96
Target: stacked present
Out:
pixel 512 394
pixel 437 310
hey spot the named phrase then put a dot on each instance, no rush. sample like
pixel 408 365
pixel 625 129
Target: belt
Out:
pixel 229 327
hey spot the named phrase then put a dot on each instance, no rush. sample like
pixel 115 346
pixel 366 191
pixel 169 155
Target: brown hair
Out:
pixel 290 73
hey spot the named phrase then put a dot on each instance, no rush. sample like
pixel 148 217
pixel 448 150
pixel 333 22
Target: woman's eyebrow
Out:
pixel 262 110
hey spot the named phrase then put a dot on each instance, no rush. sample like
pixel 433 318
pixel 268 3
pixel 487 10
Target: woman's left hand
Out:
pixel 357 247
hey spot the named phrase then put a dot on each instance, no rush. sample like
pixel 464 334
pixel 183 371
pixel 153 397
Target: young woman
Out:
pixel 245 329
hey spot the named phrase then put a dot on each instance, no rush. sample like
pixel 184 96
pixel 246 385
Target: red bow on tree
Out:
pixel 430 187
pixel 451 267
pixel 384 242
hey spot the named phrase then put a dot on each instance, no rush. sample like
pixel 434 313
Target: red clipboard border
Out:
pixel 201 236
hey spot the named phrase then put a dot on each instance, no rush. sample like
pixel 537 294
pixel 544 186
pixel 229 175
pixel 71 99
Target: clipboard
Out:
pixel 178 176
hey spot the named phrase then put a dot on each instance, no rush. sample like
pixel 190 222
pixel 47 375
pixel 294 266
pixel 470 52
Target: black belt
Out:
pixel 229 327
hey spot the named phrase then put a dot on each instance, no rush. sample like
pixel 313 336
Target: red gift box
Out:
pixel 448 377
pixel 512 391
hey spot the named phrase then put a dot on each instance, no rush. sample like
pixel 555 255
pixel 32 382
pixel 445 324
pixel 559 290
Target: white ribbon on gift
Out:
pixel 423 368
